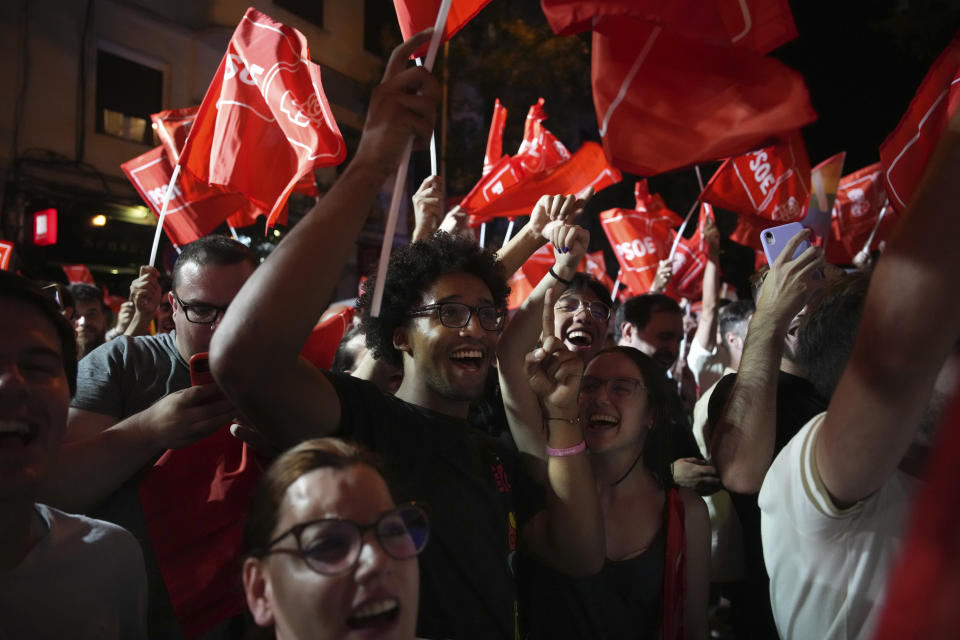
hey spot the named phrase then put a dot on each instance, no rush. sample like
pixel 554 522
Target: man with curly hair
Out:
pixel 443 309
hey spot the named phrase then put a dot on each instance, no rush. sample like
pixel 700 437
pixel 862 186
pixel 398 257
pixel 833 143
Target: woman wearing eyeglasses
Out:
pixel 328 553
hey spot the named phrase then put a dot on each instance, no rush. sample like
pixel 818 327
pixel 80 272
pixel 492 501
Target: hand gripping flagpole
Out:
pixel 163 213
pixel 398 185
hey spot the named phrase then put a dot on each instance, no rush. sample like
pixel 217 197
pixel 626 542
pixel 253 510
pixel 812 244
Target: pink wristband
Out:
pixel 568 451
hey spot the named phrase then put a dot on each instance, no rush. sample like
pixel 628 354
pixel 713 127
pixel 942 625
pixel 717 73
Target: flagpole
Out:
pixel 398 190
pixel 483 234
pixel 233 232
pixel 696 168
pixel 163 214
pixel 683 227
pixel 509 235
pixel 433 140
pixel 616 286
pixel 883 212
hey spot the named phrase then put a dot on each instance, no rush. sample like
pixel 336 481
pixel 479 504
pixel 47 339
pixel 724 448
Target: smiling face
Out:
pixel 616 416
pixel 90 323
pixel 376 599
pixel 34 397
pixel 582 331
pixel 446 367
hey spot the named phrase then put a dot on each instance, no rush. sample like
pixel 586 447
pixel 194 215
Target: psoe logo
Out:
pixel 302 115
pixel 859 205
pixel 789 210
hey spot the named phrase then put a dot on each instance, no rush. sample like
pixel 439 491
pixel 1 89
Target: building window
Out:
pixel 127 93
pixel 309 10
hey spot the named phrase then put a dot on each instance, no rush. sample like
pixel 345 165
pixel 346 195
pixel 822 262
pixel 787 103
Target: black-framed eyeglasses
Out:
pixel 456 315
pixel 332 546
pixel 200 312
pixel 616 387
pixel 573 304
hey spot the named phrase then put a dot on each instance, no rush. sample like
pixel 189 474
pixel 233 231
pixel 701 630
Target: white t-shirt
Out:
pixel 83 579
pixel 828 566
pixel 707 366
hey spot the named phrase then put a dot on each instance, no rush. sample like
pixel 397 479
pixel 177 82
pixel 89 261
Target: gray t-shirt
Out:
pixel 126 375
pixel 83 579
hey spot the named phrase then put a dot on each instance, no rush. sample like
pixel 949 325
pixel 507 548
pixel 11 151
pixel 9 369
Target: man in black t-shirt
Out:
pixel 443 308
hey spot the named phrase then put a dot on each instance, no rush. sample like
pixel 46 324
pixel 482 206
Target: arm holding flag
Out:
pixel 253 336
pixel 427 208
pixel 145 295
pixel 706 335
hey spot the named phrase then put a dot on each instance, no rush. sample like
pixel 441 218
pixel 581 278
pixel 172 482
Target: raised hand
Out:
pixel 553 371
pixel 664 273
pixel 559 209
pixel 790 282
pixel 427 208
pixel 145 291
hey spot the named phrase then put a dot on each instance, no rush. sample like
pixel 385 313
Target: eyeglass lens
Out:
pixel 596 308
pixel 333 546
pixel 618 387
pixel 456 315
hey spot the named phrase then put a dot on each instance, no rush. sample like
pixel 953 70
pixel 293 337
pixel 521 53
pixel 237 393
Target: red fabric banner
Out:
pixel 588 167
pixel 639 243
pixel 416 15
pixel 540 150
pixel 905 152
pixel 595 264
pixel 266 101
pixel 771 183
pixel 756 25
pixel 689 262
pixel 860 199
pixel 78 273
pixel 322 343
pixel 665 101
pixel 194 210
pixel 6 252
pixel 653 205
pixel 494 151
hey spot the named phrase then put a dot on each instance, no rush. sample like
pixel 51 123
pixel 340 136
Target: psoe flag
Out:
pixel 6 250
pixel 639 242
pixel 416 15
pixel 265 121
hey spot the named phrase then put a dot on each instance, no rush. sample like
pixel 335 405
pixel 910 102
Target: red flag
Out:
pixel 322 343
pixel 653 205
pixel 665 102
pixel 194 210
pixel 494 150
pixel 595 264
pixel 265 122
pixel 924 588
pixel 540 150
pixel 588 167
pixel 757 25
pixel 639 243
pixel 78 273
pixel 6 251
pixel 689 262
pixel 771 183
pixel 905 152
pixel 860 199
pixel 416 15
pixel 520 289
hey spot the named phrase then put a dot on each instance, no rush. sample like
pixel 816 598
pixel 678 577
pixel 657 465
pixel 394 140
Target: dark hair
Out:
pixel 345 358
pixel 414 268
pixel 83 292
pixel 828 330
pixel 20 288
pixel 319 453
pixel 733 315
pixel 217 250
pixel 638 310
pixel 656 451
pixel 585 282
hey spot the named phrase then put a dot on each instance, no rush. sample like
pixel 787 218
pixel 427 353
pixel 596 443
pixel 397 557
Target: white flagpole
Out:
pixel 616 287
pixel 163 214
pixel 696 168
pixel 509 235
pixel 683 227
pixel 400 182
pixel 483 234
pixel 433 140
pixel 883 212
pixel 233 232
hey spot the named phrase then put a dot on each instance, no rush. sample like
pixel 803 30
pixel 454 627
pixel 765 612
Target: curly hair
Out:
pixel 412 269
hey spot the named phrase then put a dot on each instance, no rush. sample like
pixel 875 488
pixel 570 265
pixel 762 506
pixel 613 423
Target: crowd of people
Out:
pixel 571 470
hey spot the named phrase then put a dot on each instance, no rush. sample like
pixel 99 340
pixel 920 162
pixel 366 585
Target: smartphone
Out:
pixel 200 369
pixel 775 239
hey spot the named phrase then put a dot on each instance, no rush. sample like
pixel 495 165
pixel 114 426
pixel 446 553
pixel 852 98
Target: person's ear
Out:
pixel 259 592
pixel 627 331
pixel 401 340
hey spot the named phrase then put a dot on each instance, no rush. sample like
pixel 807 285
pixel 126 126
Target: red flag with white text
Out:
pixel 861 197
pixel 665 101
pixel 416 15
pixel 653 205
pixel 265 122
pixel 689 261
pixel 6 252
pixel 494 149
pixel 639 243
pixel 771 183
pixel 194 209
pixel 906 151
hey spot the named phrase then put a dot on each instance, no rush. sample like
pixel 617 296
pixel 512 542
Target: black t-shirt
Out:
pixel 797 403
pixel 477 497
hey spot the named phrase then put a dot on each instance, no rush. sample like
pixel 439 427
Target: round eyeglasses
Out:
pixel 200 312
pixel 331 546
pixel 616 387
pixel 573 304
pixel 456 315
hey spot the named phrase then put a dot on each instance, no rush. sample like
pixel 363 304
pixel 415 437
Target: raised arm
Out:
pixel 145 294
pixel 706 336
pixel 427 208
pixel 909 325
pixel 254 354
pixel 569 534
pixel 743 439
